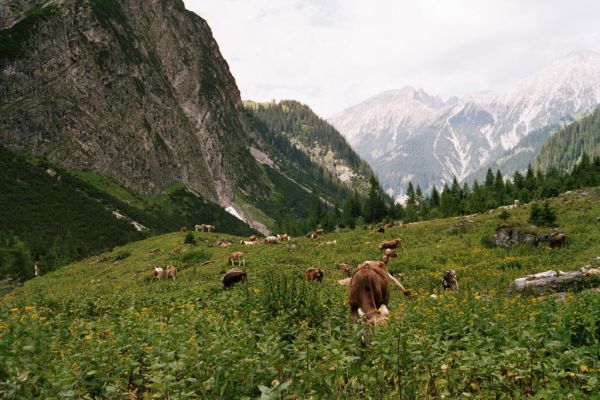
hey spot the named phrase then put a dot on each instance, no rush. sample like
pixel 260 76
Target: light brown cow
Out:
pixel 253 238
pixel 392 244
pixel 247 242
pixel 183 229
pixel 237 256
pixel 387 254
pixel 313 274
pixel 232 276
pixel 369 293
pixel 171 272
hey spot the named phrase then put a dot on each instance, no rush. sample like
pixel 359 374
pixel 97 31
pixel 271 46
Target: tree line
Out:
pixel 455 199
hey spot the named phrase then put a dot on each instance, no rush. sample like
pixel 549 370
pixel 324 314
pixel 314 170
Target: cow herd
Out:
pixel 368 283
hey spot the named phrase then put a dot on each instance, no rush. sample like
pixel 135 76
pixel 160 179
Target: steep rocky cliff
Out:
pixel 134 89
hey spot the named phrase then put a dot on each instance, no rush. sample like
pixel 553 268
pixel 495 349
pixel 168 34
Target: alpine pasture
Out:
pixel 103 328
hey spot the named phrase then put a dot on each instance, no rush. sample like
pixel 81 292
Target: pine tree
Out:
pixel 548 217
pixel 535 214
pixel 435 197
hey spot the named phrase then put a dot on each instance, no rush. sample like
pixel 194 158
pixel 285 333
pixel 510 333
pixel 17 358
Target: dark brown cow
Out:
pixel 557 240
pixel 232 276
pixel 392 244
pixel 369 292
pixel 313 274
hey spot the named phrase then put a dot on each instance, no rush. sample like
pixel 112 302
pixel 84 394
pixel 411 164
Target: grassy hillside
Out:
pixel 65 215
pixel 107 330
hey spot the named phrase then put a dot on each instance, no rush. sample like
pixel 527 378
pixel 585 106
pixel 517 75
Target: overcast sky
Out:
pixel 332 54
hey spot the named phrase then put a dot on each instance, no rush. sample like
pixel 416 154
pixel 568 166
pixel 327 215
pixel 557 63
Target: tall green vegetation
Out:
pixel 567 147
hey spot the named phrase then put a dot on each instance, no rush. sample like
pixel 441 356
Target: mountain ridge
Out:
pixel 465 133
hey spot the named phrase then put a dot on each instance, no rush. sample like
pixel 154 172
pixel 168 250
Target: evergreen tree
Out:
pixel 535 214
pixel 548 217
pixel 375 208
pixel 410 193
pixel 435 197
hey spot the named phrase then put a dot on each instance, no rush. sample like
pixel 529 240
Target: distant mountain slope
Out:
pixel 567 146
pixel 82 213
pixel 409 135
pixel 316 138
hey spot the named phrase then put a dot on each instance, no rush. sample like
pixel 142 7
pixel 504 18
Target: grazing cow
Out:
pixel 313 274
pixel 346 268
pixel 36 269
pixel 388 253
pixel 222 243
pixel 204 227
pixel 331 243
pixel 449 281
pixel 253 238
pixel 315 234
pixel 557 240
pixel 171 272
pixel 158 273
pixel 271 240
pixel 283 237
pixel 387 226
pixel 209 228
pixel 381 229
pixel 232 276
pixel 369 293
pixel 198 228
pixel 392 245
pixel 516 203
pixel 183 229
pixel 247 243
pixel 292 247
pixel 237 256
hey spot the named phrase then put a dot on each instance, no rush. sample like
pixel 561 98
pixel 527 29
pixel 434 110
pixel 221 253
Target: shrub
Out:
pixel 189 238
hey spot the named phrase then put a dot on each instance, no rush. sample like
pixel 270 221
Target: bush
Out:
pixel 189 238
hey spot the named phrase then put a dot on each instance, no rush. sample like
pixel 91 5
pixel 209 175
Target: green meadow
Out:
pixel 103 328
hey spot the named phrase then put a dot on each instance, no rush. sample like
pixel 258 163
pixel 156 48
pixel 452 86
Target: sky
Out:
pixel 332 54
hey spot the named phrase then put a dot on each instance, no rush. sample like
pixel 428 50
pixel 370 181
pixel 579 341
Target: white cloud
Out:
pixel 332 54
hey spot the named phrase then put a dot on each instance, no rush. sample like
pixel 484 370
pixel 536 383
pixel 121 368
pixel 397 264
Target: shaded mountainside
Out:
pixel 316 138
pixel 408 135
pixel 139 92
pixel 70 214
pixel 568 145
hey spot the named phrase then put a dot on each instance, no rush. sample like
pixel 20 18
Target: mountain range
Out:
pixel 409 135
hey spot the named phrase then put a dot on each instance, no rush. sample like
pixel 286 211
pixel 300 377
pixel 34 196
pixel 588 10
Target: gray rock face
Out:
pixel 134 89
pixel 511 236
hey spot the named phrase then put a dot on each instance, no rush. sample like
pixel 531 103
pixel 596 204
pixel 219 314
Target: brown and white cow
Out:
pixel 183 229
pixel 158 273
pixel 313 274
pixel 253 238
pixel 450 282
pixel 369 293
pixel 237 256
pixel 392 244
pixel 233 276
pixel 171 272
pixel 284 237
